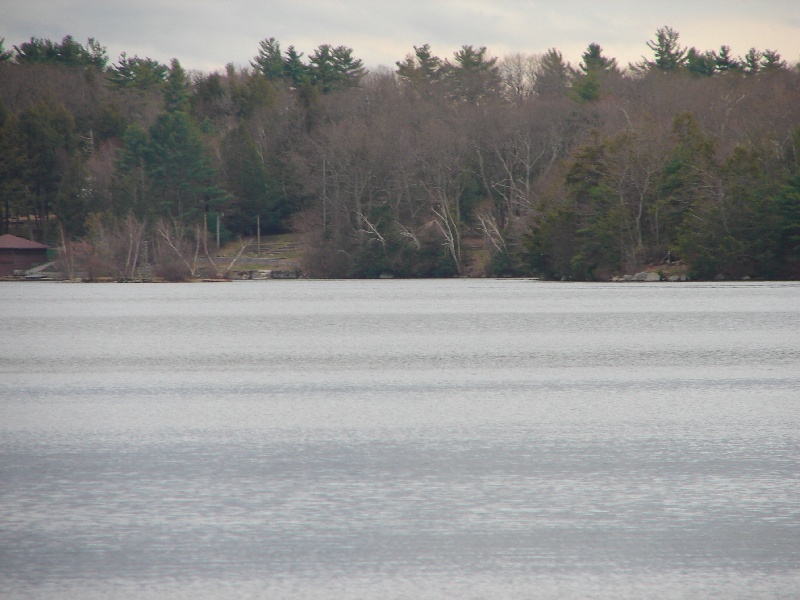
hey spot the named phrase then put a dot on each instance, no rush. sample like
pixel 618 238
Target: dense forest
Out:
pixel 469 165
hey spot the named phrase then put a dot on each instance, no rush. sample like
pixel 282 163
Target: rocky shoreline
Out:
pixel 650 276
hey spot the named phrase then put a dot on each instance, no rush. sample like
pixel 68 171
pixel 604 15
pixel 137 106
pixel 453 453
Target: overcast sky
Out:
pixel 207 34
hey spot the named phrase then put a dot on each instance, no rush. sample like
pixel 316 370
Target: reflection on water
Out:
pixel 400 439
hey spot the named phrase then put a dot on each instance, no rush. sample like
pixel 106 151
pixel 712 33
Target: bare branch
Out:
pixel 371 229
pixel 244 246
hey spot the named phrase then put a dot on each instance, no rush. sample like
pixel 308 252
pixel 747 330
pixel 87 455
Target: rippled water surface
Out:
pixel 400 439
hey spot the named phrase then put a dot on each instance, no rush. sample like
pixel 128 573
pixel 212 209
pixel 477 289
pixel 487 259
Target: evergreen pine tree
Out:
pixel 668 55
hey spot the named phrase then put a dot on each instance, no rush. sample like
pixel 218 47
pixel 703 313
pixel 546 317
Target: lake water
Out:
pixel 400 439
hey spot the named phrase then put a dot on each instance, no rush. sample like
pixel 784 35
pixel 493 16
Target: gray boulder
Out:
pixel 647 276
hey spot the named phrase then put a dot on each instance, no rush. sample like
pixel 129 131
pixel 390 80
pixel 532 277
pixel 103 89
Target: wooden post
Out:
pixel 205 232
pixel 258 230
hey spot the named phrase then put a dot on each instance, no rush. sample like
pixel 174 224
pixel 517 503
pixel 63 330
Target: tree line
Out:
pixel 524 165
